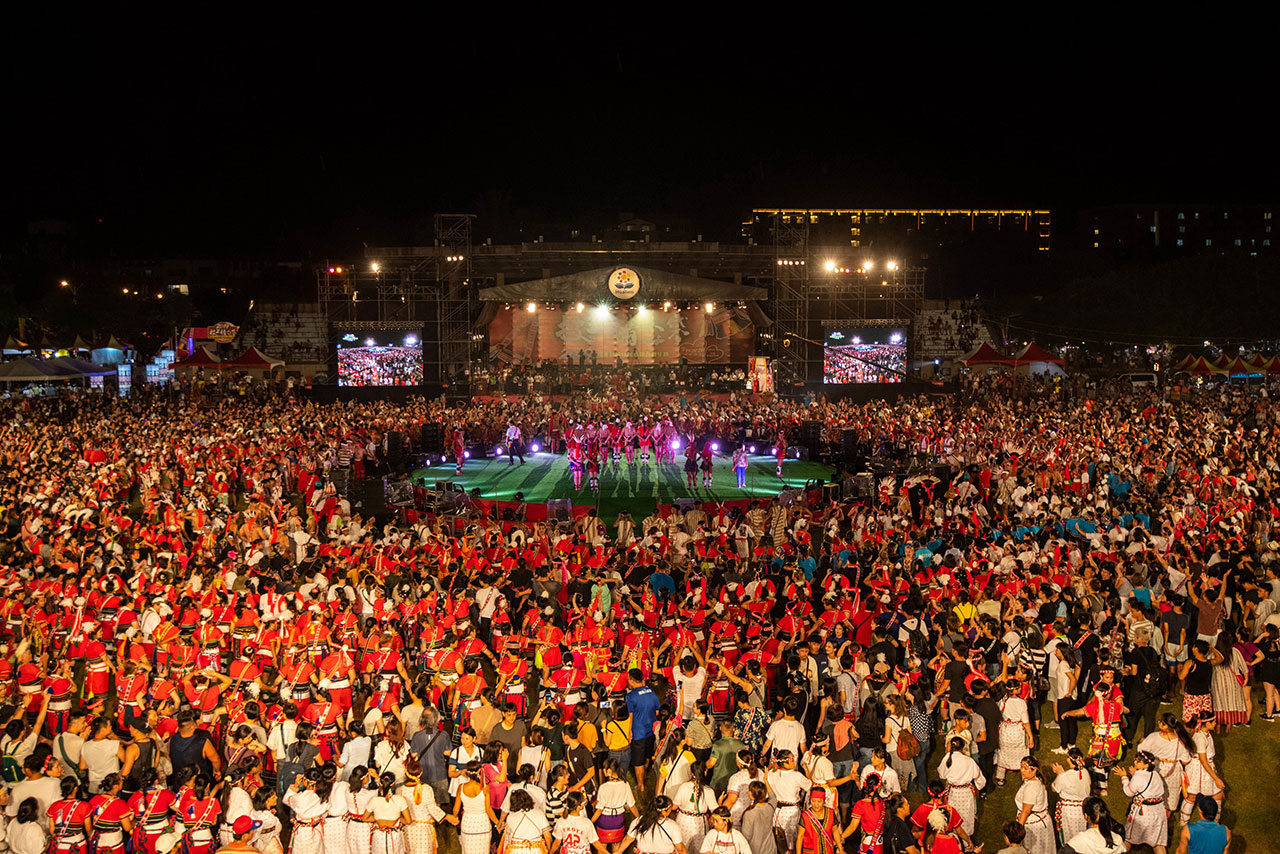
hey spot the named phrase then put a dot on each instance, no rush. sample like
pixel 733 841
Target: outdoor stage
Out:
pixel 635 489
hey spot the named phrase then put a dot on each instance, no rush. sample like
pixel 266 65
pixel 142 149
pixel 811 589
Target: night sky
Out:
pixel 237 137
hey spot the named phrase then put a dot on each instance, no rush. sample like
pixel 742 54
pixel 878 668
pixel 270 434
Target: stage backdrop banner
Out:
pixel 722 336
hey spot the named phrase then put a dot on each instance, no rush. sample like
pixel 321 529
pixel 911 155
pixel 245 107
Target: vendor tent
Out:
pixel 201 358
pixel 254 359
pixel 85 369
pixel 35 370
pixel 1238 367
pixel 1204 367
pixel 1034 359
pixel 984 355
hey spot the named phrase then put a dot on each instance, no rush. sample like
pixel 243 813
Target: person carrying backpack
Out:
pixel 18 742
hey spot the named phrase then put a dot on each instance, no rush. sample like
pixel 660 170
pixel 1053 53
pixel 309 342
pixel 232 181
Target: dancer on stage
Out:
pixel 660 439
pixel 691 464
pixel 615 441
pixel 780 449
pixel 644 434
pixel 576 442
pixel 459 445
pixel 708 460
pixel 740 465
pixel 594 452
pixel 629 442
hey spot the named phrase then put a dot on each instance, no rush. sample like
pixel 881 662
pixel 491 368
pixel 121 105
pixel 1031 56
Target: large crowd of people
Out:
pixel 206 648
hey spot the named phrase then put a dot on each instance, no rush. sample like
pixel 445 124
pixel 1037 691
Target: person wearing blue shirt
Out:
pixel 660 580
pixel 1205 836
pixel 807 563
pixel 643 705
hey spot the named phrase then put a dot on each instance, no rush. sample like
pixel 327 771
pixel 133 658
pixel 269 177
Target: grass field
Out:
pixel 636 489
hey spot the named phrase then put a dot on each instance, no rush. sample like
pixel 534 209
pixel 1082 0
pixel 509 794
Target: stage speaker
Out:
pixel 399 493
pixel 560 510
pixel 811 435
pixel 341 479
pixel 864 486
pixel 433 438
pixel 395 447
pixel 373 495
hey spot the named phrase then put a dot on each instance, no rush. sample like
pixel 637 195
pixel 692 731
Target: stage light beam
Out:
pixel 580 307
pixel 531 307
pixel 829 266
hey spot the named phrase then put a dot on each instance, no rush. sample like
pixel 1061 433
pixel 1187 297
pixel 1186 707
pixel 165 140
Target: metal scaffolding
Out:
pixel 793 355
pixel 455 307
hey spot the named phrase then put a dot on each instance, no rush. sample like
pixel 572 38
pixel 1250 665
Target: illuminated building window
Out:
pixel 1182 216
pixel 1179 241
pixel 1208 242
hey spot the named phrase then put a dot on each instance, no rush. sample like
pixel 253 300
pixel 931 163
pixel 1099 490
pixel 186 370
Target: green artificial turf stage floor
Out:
pixel 636 489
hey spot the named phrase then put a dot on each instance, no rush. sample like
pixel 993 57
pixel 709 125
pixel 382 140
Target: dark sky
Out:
pixel 233 136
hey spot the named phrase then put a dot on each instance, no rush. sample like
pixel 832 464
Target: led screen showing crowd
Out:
pixel 385 357
pixel 864 355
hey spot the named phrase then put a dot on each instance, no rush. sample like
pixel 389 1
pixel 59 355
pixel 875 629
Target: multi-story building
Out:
pixel 1151 230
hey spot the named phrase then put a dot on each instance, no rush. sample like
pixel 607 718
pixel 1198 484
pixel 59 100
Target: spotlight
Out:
pixel 331 270
pixel 715 446
pixel 602 311
pixel 534 448
pixel 675 444
pixel 751 450
pixel 410 340
pixel 497 452
pixel 710 307
pixel 666 305
pixel 895 338
pixel 829 266
pixel 375 266
pixel 531 307
pixel 368 342
pixel 891 266
pixel 466 455
pixel 641 309
pixel 339 269
pixel 867 266
pixel 580 307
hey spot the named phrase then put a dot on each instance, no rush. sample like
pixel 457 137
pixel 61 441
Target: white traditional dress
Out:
pixel 1172 757
pixel 1072 786
pixel 386 839
pixel 789 787
pixel 695 804
pixel 309 813
pixel 358 831
pixel 1148 822
pixel 1012 734
pixel 1199 781
pixel 1039 826
pixel 738 784
pixel 474 828
pixel 963 778
pixel 420 836
pixel 342 805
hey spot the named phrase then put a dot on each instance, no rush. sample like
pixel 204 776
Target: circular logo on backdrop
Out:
pixel 624 283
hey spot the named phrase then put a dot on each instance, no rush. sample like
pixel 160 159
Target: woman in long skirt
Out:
pixel 424 812
pixel 1073 785
pixel 363 791
pixel 1227 687
pixel 1148 822
pixel 963 778
pixel 612 803
pixel 1202 772
pixel 695 801
pixel 475 815
pixel 310 809
pixel 1015 733
pixel 1032 803
pixel 1172 749
pixel 387 815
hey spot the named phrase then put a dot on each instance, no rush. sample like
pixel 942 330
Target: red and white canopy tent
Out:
pixel 253 359
pixel 985 357
pixel 1034 359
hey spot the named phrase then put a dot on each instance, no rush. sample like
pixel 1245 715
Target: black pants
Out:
pixel 515 449
pixel 1144 709
pixel 1069 728
pixel 987 765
